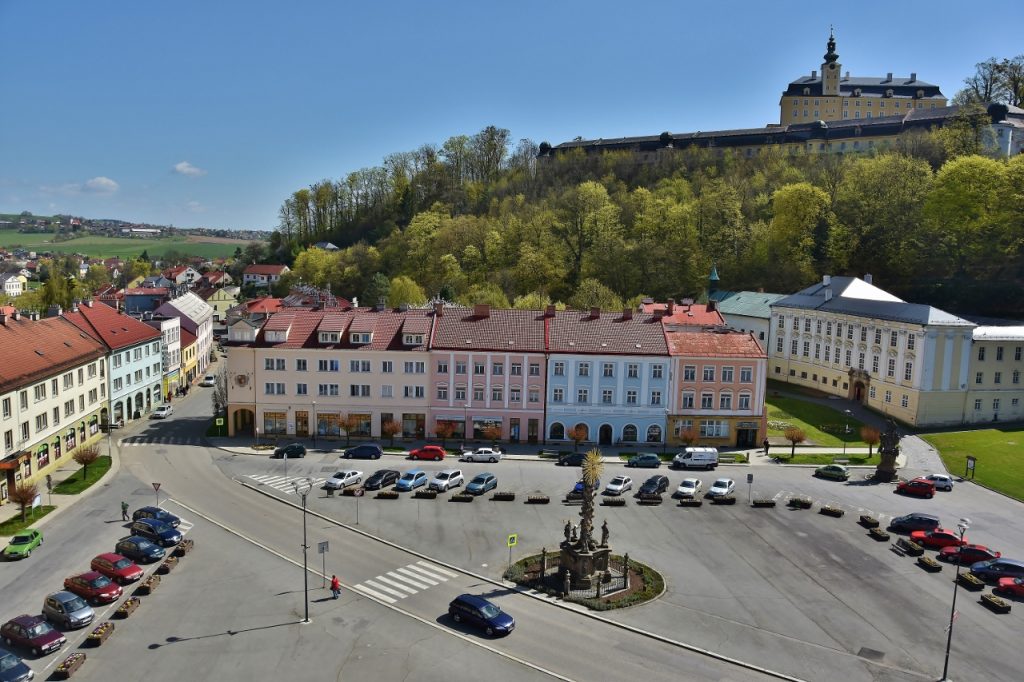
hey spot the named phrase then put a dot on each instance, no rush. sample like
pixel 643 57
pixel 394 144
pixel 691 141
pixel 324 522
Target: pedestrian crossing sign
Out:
pixel 513 539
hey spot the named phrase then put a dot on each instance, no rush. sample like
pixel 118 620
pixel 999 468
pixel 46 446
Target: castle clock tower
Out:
pixel 830 69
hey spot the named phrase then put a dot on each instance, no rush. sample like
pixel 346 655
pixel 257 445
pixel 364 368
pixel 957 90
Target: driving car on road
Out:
pixel 209 380
pixel 443 480
pixel 364 451
pixel 22 544
pixel 139 549
pixel 412 479
pixel 482 455
pixel 13 669
pixel 998 568
pixel 689 488
pixel 382 478
pixel 919 487
pixel 33 633
pixel 116 567
pixel 655 485
pixel 619 485
pixel 94 587
pixel 158 514
pixel 914 521
pixel 941 481
pixel 434 452
pixel 290 451
pixel 578 488
pixel 836 472
pixel 723 487
pixel 969 554
pixel 162 412
pixel 477 611
pixel 937 538
pixel 343 479
pixel 156 531
pixel 1011 586
pixel 644 459
pixel 571 459
pixel 67 609
pixel 481 483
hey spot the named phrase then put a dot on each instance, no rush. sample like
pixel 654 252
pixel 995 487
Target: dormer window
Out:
pixel 330 337
pixel 856 92
pixel 888 93
pixel 277 336
pixel 413 339
pixel 807 91
pixel 920 94
pixel 360 337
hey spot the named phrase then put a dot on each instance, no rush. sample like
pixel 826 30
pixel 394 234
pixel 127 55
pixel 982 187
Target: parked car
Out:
pixel 156 531
pixel 22 544
pixel 477 611
pixel 94 587
pixel 443 480
pixel 969 554
pixel 836 472
pixel 696 458
pixel 941 481
pixel 33 633
pixel 937 538
pixel 689 488
pixel 364 451
pixel 412 479
pixel 13 669
pixel 139 549
pixel 571 459
pixel 434 452
pixel 158 514
pixel 578 488
pixel 723 487
pixel 644 459
pixel 116 567
pixel 481 483
pixel 914 521
pixel 382 478
pixel 619 485
pixel 1011 586
pixel 919 487
pixel 209 380
pixel 290 451
pixel 67 610
pixel 655 485
pixel 998 568
pixel 482 455
pixel 162 412
pixel 343 479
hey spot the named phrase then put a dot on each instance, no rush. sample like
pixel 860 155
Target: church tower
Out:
pixel 830 69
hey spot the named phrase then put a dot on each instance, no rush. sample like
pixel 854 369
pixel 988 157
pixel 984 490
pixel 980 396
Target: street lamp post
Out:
pixel 961 528
pixel 465 423
pixel 314 424
pixel 302 488
pixel 846 430
pixel 664 435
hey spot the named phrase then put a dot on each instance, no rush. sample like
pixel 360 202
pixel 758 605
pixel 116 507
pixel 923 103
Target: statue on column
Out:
pixel 604 533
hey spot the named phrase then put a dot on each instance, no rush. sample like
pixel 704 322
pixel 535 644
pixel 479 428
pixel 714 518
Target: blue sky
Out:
pixel 210 113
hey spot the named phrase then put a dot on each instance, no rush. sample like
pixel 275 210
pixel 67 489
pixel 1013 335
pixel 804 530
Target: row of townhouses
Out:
pixel 644 376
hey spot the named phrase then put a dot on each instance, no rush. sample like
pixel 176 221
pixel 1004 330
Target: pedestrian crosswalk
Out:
pixel 285 484
pixel 160 440
pixel 405 581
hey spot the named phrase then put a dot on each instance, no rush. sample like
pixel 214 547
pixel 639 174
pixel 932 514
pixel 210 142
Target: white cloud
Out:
pixel 194 207
pixel 101 185
pixel 187 169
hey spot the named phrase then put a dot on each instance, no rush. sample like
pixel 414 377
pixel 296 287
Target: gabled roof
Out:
pixel 745 303
pixel 713 344
pixel 264 305
pixel 116 330
pixel 303 328
pixel 214 276
pixel 692 314
pixel 574 331
pixel 187 338
pixel 499 330
pixel 265 269
pixel 189 305
pixel 364 323
pixel 33 350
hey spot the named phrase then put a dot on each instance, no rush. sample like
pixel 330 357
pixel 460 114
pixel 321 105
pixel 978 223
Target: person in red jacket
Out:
pixel 335 586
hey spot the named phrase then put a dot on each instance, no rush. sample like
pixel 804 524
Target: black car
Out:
pixel 382 478
pixel 290 451
pixel 572 459
pixel 477 611
pixel 156 531
pixel 158 514
pixel 655 485
pixel 365 451
pixel 915 521
pixel 139 549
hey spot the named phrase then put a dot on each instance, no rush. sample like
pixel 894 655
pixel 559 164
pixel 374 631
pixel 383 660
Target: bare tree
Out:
pixel 350 423
pixel 86 456
pixel 794 436
pixel 444 431
pixel 689 436
pixel 23 495
pixel 390 429
pixel 871 436
pixel 576 434
pixel 492 433
pixel 984 85
pixel 220 394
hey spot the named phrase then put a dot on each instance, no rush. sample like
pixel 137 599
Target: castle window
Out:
pixel 888 93
pixel 807 91
pixel 856 92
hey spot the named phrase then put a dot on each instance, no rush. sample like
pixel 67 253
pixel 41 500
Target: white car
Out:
pixel 941 481
pixel 689 488
pixel 209 380
pixel 723 487
pixel 481 455
pixel 162 412
pixel 443 480
pixel 343 479
pixel 619 485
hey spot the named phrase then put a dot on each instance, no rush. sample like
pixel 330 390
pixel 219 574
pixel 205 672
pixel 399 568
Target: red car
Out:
pixel 116 567
pixel 969 554
pixel 94 587
pixel 32 632
pixel 434 452
pixel 1011 586
pixel 940 537
pixel 921 487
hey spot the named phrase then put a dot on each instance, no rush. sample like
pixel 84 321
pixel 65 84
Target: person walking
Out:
pixel 124 511
pixel 335 586
pixel 766 444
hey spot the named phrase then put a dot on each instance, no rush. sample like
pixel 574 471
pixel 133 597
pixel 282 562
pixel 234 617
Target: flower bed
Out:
pixel 764 502
pixel 351 491
pixel 100 633
pixel 184 547
pixel 831 510
pixel 70 665
pixel 613 502
pixel 971 582
pixel 995 603
pixel 168 563
pixel 425 494
pixel 387 495
pixel 538 499
pixel 149 585
pixel 507 496
pixel 879 534
pixel 800 502
pixel 461 497
pixel 909 547
pixel 652 499
pixel 723 499
pixel 691 502
pixel 868 521
pixel 929 564
pixel 128 607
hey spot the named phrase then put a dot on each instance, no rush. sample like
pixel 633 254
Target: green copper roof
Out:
pixel 745 303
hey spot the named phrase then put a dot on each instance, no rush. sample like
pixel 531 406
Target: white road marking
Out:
pixel 378 586
pixel 427 574
pixel 395 583
pixel 408 580
pixel 438 569
pixel 425 579
pixel 373 593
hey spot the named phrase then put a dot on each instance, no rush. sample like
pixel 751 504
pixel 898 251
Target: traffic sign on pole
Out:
pixel 156 489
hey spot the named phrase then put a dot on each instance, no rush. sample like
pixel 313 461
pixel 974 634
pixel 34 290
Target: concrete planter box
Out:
pixel 613 502
pixel 503 497
pixel 100 633
pixel 168 564
pixel 764 503
pixel 868 521
pixel 425 494
pixel 929 564
pixel 149 585
pixel 971 582
pixel 829 510
pixel 910 548
pixel 800 502
pixel 128 607
pixel 184 547
pixel 879 534
pixel 461 497
pixel 538 499
pixel 387 495
pixel 70 665
pixel 725 499
pixel 352 491
pixel 650 500
pixel 995 604
pixel 691 502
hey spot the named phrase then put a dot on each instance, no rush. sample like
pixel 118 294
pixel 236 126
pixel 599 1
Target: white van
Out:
pixel 696 458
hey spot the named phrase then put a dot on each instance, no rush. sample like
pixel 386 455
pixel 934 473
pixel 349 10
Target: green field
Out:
pixel 109 247
pixel 1000 454
pixel 822 425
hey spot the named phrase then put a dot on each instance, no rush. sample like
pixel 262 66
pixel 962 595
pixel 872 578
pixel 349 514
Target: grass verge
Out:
pixel 807 458
pixel 78 481
pixel 1000 464
pixel 15 524
pixel 821 424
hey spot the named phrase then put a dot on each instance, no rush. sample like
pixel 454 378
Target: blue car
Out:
pixel 481 483
pixel 412 479
pixel 158 514
pixel 157 531
pixel 139 549
pixel 993 569
pixel 477 611
pixel 578 488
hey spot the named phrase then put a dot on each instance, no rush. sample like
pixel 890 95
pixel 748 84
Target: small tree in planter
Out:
pixel 492 433
pixel 689 437
pixel 390 429
pixel 444 431
pixel 576 434
pixel 86 456
pixel 794 436
pixel 871 436
pixel 350 423
pixel 23 495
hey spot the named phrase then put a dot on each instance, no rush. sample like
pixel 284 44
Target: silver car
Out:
pixel 482 455
pixel 67 610
pixel 619 485
pixel 443 480
pixel 689 488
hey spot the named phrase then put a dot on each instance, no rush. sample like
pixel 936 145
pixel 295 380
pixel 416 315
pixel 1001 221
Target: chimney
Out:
pixel 439 309
pixel 482 310
pixel 595 313
pixel 867 278
pixel 355 302
pixel 3 320
pixel 54 311
pixel 74 306
pixel 913 77
pixel 670 307
pixel 16 316
pixel 627 313
pixel 549 311
pixel 828 294
pixel 814 74
pixel 659 313
pixel 712 306
pixel 826 281
pixel 88 304
pixel 382 303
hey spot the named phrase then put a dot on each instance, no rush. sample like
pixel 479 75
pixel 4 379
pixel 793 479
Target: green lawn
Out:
pixel 14 524
pixel 782 452
pixel 821 424
pixel 109 247
pixel 77 482
pixel 1000 454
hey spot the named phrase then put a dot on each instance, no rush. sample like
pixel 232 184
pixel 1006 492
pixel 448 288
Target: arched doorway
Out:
pixel 604 434
pixel 858 391
pixel 243 422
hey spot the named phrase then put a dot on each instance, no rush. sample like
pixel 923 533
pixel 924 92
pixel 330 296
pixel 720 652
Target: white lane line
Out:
pixel 408 580
pixel 427 574
pixel 395 583
pixel 425 579
pixel 437 569
pixel 378 586
pixel 366 591
pixel 259 477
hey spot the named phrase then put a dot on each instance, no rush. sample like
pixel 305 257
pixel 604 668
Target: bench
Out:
pixel 840 460
pixel 727 459
pixel 549 453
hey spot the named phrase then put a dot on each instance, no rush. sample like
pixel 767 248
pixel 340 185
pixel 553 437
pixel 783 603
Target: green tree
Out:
pixel 403 289
pixel 968 133
pixel 378 289
pixel 801 218
pixel 592 294
pixel 583 211
pixel 488 292
pixel 96 278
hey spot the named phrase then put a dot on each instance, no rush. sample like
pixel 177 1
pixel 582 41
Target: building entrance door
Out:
pixel 605 435
pixel 302 424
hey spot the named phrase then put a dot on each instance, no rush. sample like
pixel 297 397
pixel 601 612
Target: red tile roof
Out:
pixel 264 269
pixel 171 273
pixel 304 326
pixel 263 305
pixel 33 350
pixel 187 338
pixel 575 331
pixel 695 314
pixel 214 276
pixel 501 330
pixel 714 344
pixel 114 329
